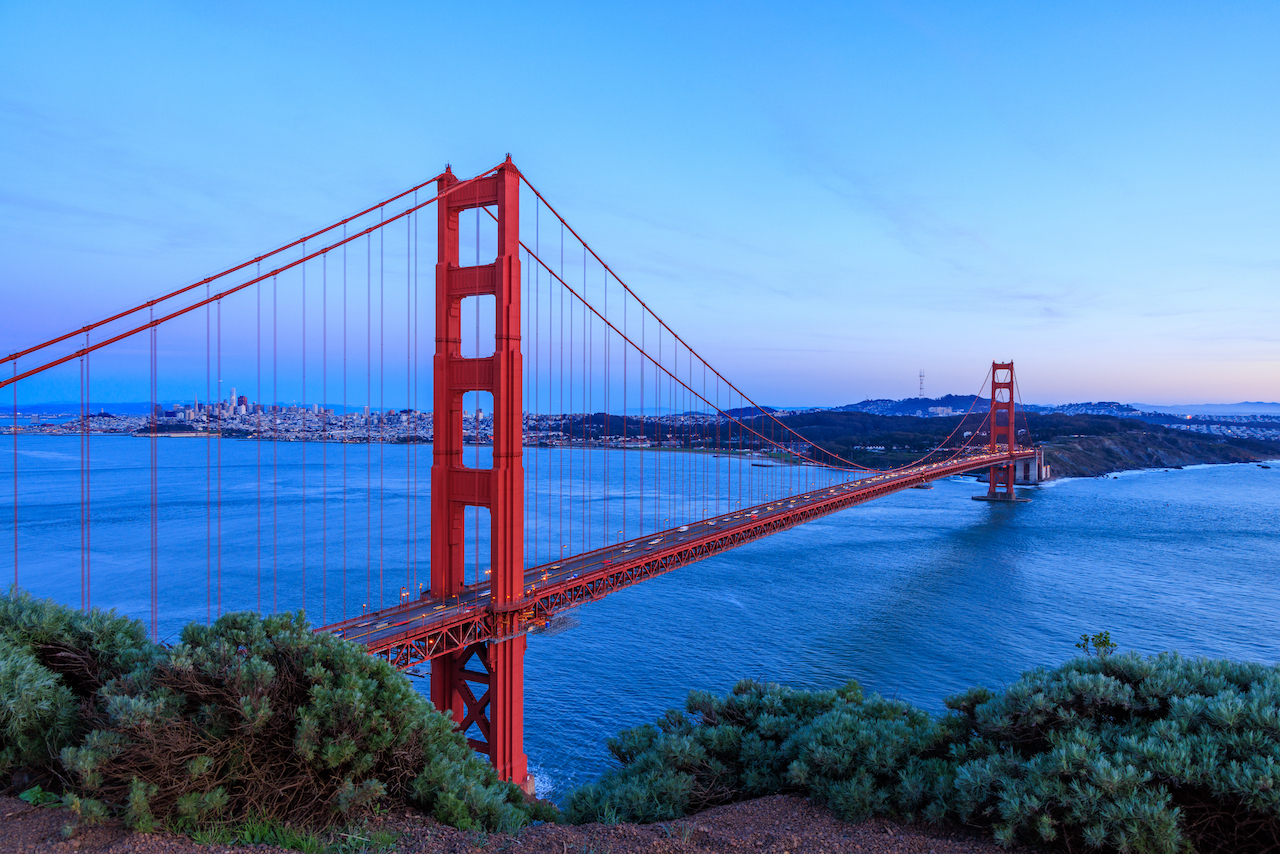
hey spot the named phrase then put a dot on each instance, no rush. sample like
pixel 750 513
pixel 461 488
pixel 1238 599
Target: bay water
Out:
pixel 918 595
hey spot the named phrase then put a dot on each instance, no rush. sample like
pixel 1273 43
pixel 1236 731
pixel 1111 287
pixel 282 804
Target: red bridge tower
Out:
pixel 498 711
pixel 1003 431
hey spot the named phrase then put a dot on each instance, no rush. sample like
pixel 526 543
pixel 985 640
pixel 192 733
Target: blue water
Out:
pixel 918 595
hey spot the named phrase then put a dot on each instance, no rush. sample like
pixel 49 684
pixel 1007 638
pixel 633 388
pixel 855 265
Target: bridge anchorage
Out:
pixel 579 496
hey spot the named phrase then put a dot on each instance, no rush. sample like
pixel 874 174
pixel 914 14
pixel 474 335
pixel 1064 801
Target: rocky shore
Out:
pixel 1092 456
pixel 772 825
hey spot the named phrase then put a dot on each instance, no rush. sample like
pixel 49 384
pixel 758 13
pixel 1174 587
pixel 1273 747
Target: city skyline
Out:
pixel 928 406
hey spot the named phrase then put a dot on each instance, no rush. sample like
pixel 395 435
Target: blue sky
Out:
pixel 824 199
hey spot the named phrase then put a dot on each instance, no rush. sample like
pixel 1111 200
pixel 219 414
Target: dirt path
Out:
pixel 774 825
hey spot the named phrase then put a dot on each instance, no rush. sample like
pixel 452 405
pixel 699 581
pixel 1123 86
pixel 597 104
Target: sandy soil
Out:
pixel 774 825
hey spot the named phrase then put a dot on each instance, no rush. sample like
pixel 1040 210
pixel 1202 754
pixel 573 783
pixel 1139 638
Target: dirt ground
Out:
pixel 774 825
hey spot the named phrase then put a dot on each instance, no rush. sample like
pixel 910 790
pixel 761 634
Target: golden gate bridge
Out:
pixel 611 451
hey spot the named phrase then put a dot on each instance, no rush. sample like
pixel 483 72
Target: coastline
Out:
pixel 1097 456
pixel 1119 473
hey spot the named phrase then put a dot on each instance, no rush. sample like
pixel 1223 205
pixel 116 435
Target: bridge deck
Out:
pixel 424 628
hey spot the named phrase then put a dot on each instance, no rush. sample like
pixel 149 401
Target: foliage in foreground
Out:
pixel 1120 752
pixel 247 719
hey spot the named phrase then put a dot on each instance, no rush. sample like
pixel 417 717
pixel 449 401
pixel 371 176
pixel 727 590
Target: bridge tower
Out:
pixel 484 683
pixel 1003 431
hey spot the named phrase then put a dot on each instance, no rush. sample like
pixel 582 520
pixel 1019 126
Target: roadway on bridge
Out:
pixel 426 614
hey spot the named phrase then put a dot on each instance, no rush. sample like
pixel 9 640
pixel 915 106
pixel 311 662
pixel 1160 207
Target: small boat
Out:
pixel 1261 466
pixel 763 465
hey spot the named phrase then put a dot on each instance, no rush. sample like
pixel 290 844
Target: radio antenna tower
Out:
pixel 922 383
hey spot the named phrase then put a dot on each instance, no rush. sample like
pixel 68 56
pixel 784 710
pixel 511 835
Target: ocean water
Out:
pixel 921 595
pixel 918 595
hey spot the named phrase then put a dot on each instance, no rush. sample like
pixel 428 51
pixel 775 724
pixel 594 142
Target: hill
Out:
pixel 1074 445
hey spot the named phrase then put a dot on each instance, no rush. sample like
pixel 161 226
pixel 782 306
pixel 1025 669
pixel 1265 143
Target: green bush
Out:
pixel 1119 752
pixel 247 719
pixel 37 711
pixel 875 757
pixel 1129 753
pixel 740 747
pixel 53 660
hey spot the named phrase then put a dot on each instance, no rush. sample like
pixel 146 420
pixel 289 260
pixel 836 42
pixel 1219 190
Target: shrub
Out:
pixel 1117 752
pixel 738 748
pixel 875 757
pixel 247 719
pixel 53 660
pixel 1130 753
pixel 37 711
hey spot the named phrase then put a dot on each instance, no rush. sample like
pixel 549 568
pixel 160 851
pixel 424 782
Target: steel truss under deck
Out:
pixel 431 627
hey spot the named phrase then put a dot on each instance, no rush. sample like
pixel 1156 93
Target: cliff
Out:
pixel 1090 456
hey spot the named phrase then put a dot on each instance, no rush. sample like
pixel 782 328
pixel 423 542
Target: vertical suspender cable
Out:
pixel 697 438
pixel 368 433
pixel 576 484
pixel 566 406
pixel 719 508
pixel 678 464
pixel 275 446
pixel 417 415
pixel 382 398
pixel 588 400
pixel 560 535
pixel 84 428
pixel 662 427
pixel 625 483
pixel 345 422
pixel 644 426
pixel 304 430
pixel 208 459
pixel 257 424
pixel 408 405
pixel 15 475
pixel 155 506
pixel 608 429
pixel 218 546
pixel 324 438
pixel 537 366
pixel 657 435
pixel 735 462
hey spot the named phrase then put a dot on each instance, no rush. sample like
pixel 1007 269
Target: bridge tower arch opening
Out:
pixel 483 684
